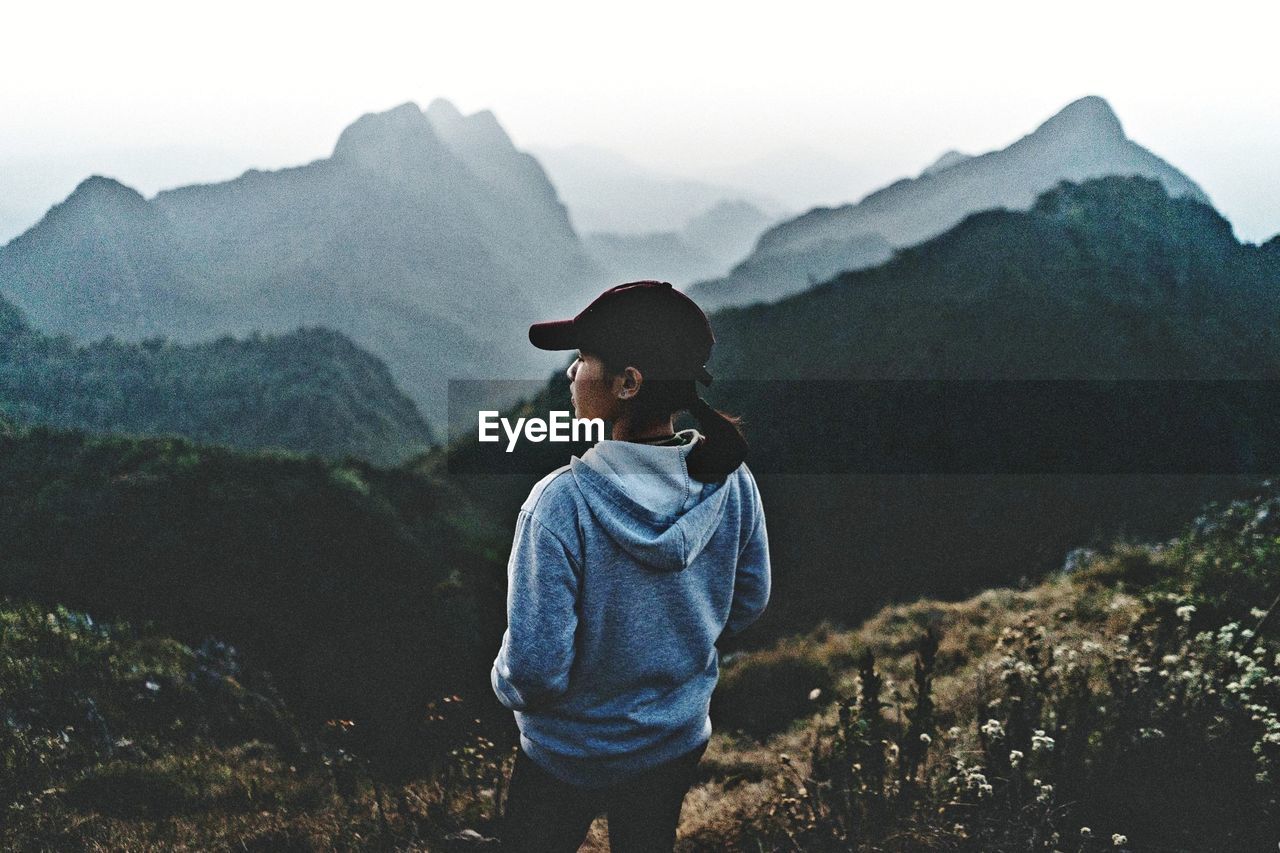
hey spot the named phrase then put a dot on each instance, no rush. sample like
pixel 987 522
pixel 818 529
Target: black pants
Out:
pixel 546 815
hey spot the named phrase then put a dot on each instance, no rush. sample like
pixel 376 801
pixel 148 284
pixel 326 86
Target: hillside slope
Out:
pixel 308 391
pixel 1130 704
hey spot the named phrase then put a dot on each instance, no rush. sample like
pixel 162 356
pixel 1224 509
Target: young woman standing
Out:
pixel 629 565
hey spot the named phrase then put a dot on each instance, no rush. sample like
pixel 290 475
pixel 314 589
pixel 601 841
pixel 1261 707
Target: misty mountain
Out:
pixel 1110 278
pixel 309 391
pixel 665 256
pixel 709 244
pixel 535 219
pixel 727 231
pixel 606 192
pixel 946 161
pixel 1084 140
pixel 799 177
pixel 431 241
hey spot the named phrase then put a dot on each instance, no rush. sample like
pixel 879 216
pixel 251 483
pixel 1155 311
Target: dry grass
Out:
pixel 745 776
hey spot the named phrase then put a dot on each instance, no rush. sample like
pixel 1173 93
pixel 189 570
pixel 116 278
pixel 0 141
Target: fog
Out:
pixel 159 94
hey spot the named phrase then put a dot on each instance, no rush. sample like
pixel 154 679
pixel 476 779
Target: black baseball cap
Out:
pixel 647 323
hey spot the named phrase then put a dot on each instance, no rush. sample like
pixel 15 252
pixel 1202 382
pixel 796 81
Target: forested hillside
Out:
pixel 307 391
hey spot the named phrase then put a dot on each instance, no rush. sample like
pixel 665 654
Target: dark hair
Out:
pixel 723 446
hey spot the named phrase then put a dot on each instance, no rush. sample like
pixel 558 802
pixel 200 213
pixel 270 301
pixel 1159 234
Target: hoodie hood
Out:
pixel 645 500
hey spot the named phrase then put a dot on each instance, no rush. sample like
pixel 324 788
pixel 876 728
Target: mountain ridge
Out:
pixel 1082 140
pixel 434 254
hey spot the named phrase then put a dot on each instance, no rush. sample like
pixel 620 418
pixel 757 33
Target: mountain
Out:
pixel 946 161
pixel 665 256
pixel 537 220
pixel 799 177
pixel 1084 140
pixel 708 245
pixel 104 261
pixel 1113 277
pixel 309 391
pixel 1109 279
pixel 432 248
pixel 727 231
pixel 606 192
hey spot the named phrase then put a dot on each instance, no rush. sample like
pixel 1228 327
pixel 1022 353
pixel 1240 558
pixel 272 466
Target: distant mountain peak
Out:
pixel 376 138
pixel 481 128
pixel 96 196
pixel 946 161
pixel 1089 116
pixel 100 187
pixel 443 109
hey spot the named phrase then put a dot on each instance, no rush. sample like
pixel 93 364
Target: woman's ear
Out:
pixel 629 382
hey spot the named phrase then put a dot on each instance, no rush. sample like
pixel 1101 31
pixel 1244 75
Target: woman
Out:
pixel 629 564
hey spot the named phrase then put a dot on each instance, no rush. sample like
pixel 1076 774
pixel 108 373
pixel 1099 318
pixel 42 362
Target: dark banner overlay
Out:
pixel 936 426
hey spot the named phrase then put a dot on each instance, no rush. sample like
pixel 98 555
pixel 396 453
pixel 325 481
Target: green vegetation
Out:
pixel 115 737
pixel 366 592
pixel 310 391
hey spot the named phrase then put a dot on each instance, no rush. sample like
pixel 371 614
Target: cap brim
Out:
pixel 555 335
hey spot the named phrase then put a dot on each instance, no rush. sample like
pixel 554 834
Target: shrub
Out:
pixel 765 692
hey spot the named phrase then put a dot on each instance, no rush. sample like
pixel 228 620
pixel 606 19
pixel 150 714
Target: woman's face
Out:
pixel 592 388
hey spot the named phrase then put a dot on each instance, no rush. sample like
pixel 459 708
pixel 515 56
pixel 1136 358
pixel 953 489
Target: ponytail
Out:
pixel 723 447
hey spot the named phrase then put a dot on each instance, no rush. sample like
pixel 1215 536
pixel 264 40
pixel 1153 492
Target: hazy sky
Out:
pixel 162 93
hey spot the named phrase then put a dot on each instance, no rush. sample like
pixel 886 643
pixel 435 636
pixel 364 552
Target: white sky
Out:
pixel 162 93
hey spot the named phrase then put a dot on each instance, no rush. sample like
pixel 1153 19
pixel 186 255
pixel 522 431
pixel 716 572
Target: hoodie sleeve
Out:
pixel 752 579
pixel 532 666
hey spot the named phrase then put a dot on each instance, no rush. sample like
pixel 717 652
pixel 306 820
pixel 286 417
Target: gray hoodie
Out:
pixel 624 573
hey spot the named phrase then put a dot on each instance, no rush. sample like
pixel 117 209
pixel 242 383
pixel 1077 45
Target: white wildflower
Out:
pixel 1040 740
pixel 1119 840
